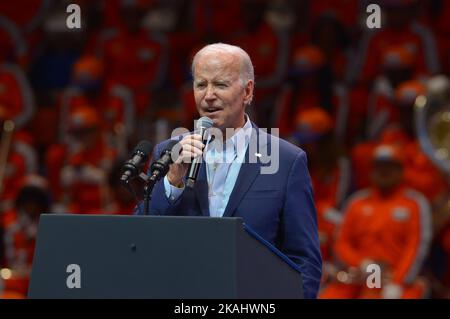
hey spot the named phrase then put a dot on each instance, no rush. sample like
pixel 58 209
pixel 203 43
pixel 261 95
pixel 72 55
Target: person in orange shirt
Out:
pixel 332 37
pixel 21 159
pixel 385 99
pixel 84 175
pixel 305 89
pixel 399 29
pixel 13 46
pixel 310 86
pixel 114 104
pixel 211 18
pixel 346 11
pixel 329 169
pixel 21 30
pixel 136 58
pixel 388 225
pixel 77 169
pixel 419 172
pixel 269 48
pixel 20 230
pixel 16 96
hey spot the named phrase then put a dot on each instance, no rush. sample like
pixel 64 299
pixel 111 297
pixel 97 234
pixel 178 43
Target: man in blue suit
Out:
pixel 274 200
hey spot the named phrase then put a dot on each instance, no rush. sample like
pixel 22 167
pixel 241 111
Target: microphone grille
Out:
pixel 204 122
pixel 144 147
pixel 170 145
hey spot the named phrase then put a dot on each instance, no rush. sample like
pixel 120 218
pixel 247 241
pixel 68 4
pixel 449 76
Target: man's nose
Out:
pixel 210 93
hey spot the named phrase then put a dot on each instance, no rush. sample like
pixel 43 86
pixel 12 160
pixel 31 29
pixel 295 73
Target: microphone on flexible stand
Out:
pixel 160 167
pixel 132 167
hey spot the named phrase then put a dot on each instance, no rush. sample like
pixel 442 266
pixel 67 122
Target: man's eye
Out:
pixel 200 85
pixel 221 85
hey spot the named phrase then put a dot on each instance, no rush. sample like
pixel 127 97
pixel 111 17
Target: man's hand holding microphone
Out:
pixel 191 149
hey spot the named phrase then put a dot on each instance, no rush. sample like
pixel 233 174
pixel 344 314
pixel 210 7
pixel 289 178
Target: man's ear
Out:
pixel 248 92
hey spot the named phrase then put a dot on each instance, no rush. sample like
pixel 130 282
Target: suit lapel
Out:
pixel 248 171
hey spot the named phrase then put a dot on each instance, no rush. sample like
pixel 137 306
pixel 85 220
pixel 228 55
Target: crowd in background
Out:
pixel 74 102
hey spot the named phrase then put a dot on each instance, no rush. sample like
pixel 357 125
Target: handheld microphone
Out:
pixel 140 155
pixel 202 125
pixel 160 167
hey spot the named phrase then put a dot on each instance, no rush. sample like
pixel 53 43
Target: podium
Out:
pixel 161 257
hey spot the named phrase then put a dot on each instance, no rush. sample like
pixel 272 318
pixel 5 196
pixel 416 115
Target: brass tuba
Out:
pixel 432 121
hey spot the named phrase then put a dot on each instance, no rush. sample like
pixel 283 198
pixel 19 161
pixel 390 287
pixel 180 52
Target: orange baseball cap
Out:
pixel 407 92
pixel 309 58
pixel 83 117
pixel 313 120
pixel 88 66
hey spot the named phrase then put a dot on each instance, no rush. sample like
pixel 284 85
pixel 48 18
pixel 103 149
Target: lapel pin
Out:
pixel 258 154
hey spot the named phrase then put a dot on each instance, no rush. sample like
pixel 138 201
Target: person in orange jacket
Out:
pixel 419 171
pixel 21 30
pixel 309 88
pixel 400 29
pixel 84 176
pixel 397 64
pixel 18 158
pixel 211 18
pixel 387 225
pixel 13 46
pixel 269 48
pixel 16 96
pixel 114 104
pixel 330 171
pixel 440 21
pixel 331 36
pixel 77 169
pixel 136 58
pixel 20 230
pixel 345 11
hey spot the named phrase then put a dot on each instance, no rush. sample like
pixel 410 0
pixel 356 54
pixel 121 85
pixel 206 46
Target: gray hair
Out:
pixel 247 71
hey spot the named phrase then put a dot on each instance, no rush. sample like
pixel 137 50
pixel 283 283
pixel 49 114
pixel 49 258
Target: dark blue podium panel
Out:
pixel 101 256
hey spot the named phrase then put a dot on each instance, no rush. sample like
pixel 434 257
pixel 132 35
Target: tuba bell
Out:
pixel 432 121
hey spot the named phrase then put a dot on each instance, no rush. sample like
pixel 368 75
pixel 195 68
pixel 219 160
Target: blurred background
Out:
pixel 369 106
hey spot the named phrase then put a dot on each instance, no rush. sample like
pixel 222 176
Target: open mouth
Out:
pixel 212 110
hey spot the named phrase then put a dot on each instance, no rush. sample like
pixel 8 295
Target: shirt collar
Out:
pixel 242 137
pixel 237 143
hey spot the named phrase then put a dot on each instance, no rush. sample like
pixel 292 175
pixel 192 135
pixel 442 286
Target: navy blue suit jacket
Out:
pixel 279 206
